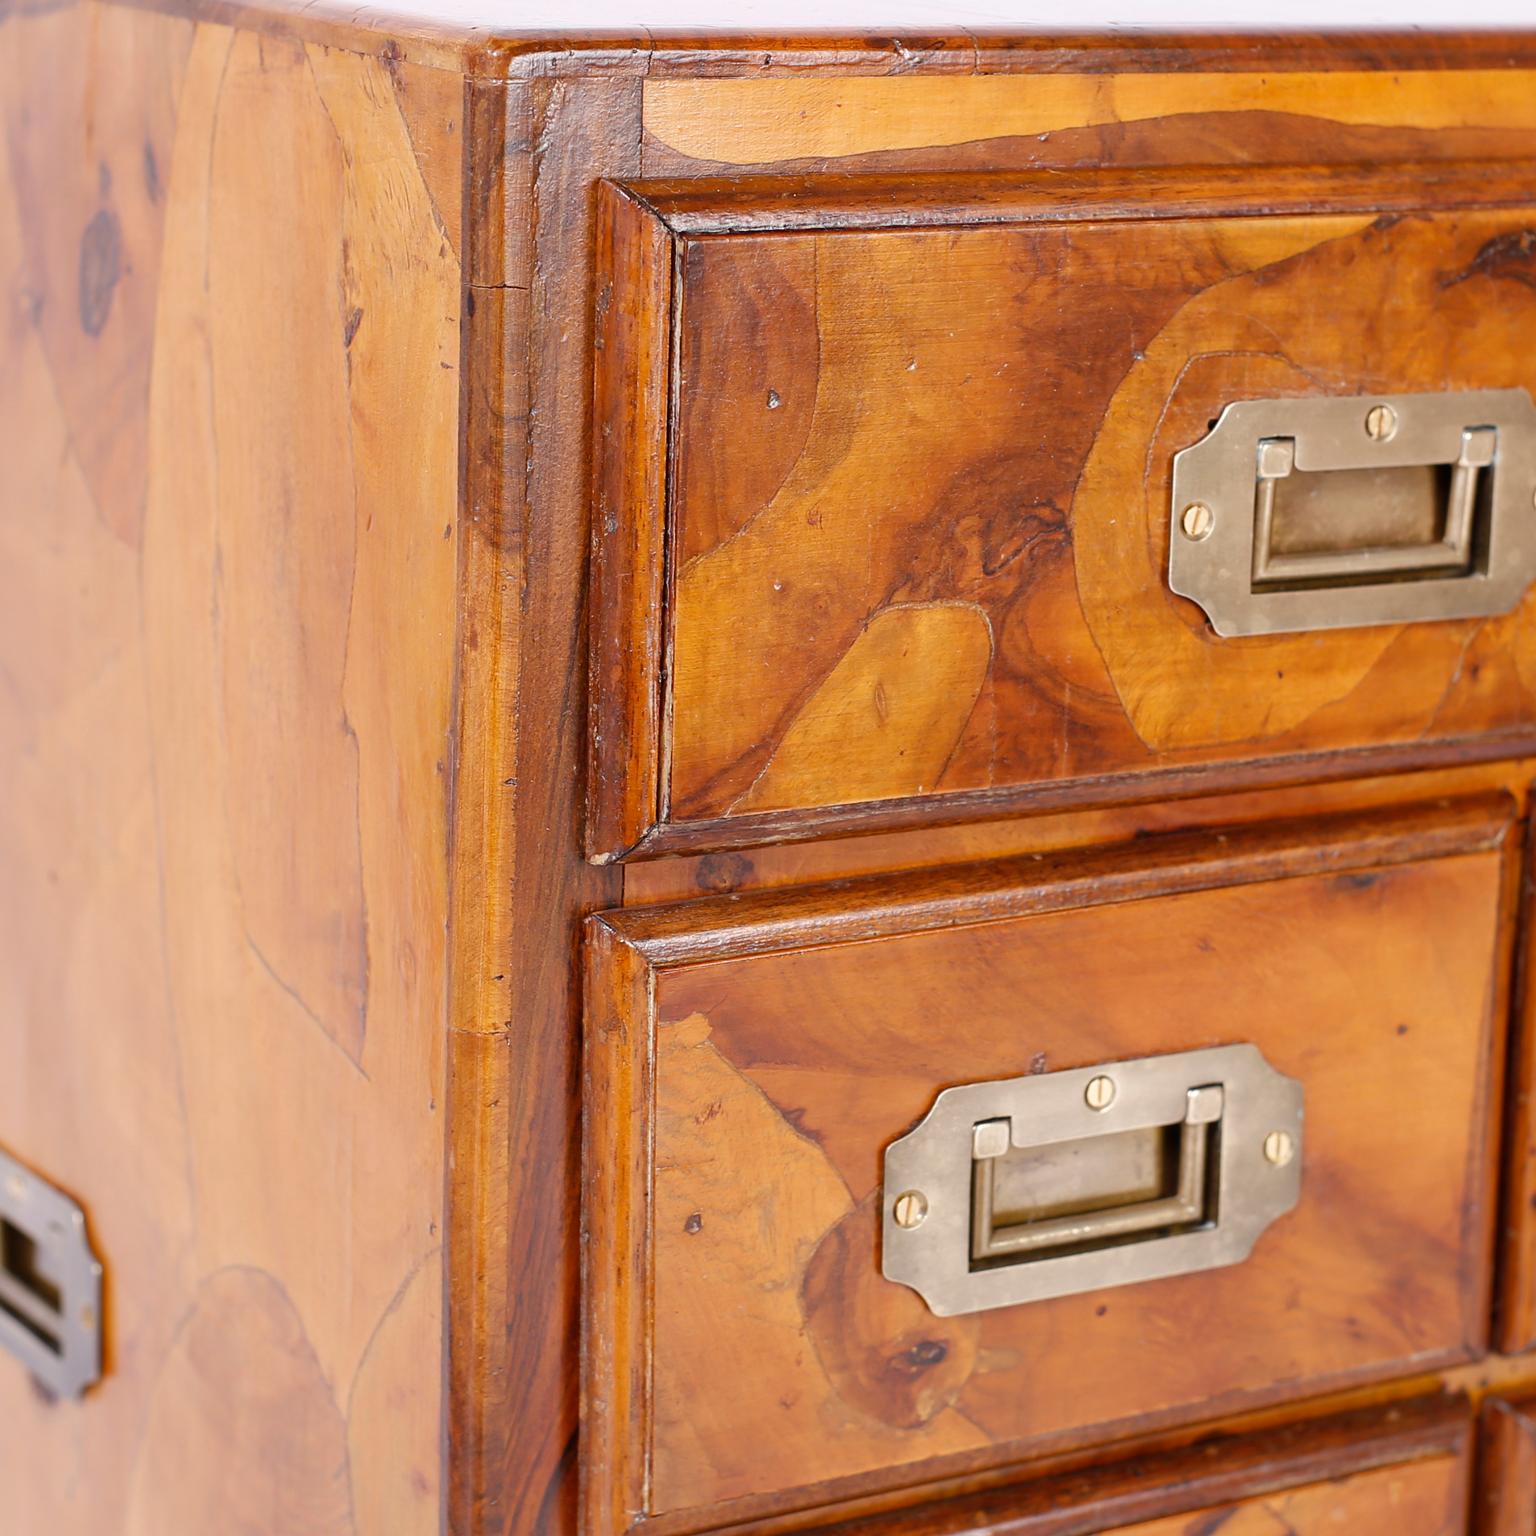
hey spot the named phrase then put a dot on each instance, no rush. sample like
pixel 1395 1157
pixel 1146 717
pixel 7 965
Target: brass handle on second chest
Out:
pixel 50 1283
pixel 1062 1182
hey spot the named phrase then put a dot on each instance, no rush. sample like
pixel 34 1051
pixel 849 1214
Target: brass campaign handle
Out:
pixel 1059 1182
pixel 1326 513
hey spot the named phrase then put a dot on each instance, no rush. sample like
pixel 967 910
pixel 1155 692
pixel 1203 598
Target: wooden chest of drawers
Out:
pixel 765 784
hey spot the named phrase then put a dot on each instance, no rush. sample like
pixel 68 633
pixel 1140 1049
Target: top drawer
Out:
pixel 885 487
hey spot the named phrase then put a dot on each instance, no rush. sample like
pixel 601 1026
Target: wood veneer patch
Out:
pixel 758 122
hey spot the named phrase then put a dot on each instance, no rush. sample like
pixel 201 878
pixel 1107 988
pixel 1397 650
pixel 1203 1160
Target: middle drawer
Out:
pixel 751 1060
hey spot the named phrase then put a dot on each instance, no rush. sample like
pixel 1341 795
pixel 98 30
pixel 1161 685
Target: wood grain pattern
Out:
pixel 1506 1499
pixel 734 1146
pixel 755 122
pixel 227 619
pixel 996 494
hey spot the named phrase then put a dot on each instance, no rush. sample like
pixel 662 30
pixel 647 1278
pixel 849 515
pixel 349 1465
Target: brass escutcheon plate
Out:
pixel 1218 1110
pixel 1357 454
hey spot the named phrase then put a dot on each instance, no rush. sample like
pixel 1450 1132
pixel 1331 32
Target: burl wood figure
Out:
pixel 595 623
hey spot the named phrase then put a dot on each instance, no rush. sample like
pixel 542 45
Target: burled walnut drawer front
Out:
pixel 1422 1499
pixel 750 1061
pixel 886 477
pixel 1396 1471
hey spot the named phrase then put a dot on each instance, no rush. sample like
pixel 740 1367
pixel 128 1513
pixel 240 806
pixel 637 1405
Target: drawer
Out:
pixel 752 1062
pixel 886 497
pixel 1403 1470
pixel 1507 1467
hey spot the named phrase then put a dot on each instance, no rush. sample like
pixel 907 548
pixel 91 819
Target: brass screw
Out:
pixel 1197 521
pixel 1100 1092
pixel 1279 1148
pixel 911 1208
pixel 1381 423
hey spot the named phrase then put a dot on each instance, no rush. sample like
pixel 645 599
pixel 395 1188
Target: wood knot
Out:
pixel 921 1356
pixel 101 265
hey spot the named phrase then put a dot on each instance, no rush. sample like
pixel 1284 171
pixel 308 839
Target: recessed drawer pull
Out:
pixel 1329 513
pixel 1062 1182
pixel 1187 1206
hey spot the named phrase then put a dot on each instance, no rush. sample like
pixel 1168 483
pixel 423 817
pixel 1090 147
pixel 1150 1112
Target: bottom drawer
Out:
pixel 1507 1467
pixel 1302 1023
pixel 1399 1471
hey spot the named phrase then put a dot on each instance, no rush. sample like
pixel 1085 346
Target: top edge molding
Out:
pixel 478 39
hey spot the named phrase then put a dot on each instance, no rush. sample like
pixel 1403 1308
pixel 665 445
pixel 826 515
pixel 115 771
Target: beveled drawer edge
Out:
pixel 759 829
pixel 871 906
pixel 697 207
